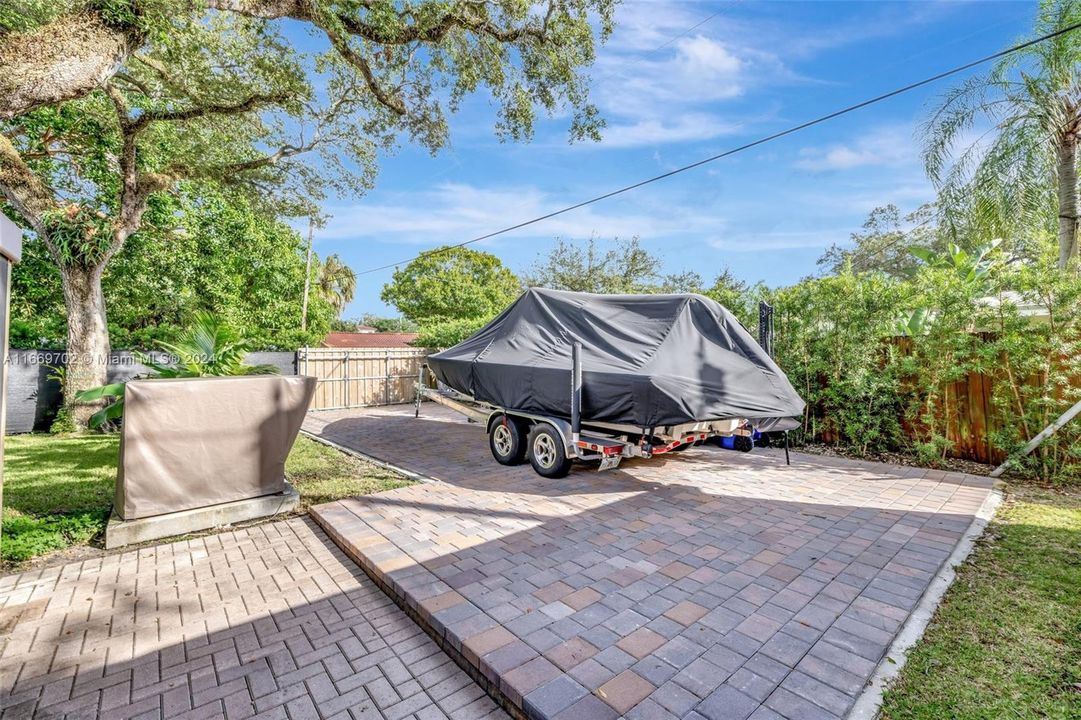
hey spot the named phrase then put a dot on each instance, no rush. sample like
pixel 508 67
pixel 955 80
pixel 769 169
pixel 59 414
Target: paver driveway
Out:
pixel 706 584
pixel 269 622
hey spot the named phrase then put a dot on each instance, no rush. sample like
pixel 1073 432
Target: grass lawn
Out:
pixel 58 490
pixel 1006 642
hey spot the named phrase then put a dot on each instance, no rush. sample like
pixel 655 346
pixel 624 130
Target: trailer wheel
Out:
pixel 546 452
pixel 507 440
pixel 744 443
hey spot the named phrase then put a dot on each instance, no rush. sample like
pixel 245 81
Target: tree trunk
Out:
pixel 307 279
pixel 88 337
pixel 1067 201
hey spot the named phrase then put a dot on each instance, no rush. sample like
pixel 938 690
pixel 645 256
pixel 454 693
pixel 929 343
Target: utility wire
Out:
pixel 697 25
pixel 746 146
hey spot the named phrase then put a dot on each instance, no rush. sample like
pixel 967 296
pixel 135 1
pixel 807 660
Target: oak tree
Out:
pixel 107 105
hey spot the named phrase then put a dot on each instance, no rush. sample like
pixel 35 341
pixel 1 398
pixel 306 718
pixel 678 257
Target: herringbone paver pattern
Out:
pixel 268 622
pixel 706 584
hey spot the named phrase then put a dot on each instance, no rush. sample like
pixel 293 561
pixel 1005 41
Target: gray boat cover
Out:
pixel 647 361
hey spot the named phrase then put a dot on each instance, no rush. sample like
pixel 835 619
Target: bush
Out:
pixel 874 356
pixel 829 339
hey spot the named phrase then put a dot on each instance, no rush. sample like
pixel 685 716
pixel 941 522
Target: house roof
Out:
pixel 368 340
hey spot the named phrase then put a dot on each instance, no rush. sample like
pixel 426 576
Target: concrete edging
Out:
pixel 417 477
pixel 869 702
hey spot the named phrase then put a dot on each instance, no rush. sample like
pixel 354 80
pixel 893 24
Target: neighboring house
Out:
pixel 366 339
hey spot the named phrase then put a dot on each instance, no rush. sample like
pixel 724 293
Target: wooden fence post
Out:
pixel 386 376
pixel 348 376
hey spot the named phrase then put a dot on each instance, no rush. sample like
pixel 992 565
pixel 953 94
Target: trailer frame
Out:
pixel 583 440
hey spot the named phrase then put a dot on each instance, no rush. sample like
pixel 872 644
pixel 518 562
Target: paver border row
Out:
pixel 447 640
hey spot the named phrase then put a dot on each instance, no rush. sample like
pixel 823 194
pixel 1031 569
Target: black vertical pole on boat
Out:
pixel 765 327
pixel 786 460
pixel 576 390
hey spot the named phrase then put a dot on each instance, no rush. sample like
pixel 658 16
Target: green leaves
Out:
pixel 914 324
pixel 972 267
pixel 112 411
pixel 208 348
pixel 452 284
pixel 451 292
pixel 113 390
pixel 626 267
pixel 81 235
pixel 337 283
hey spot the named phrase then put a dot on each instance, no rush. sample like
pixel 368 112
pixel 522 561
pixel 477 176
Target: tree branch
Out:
pixel 25 190
pixel 246 105
pixel 65 59
pixel 79 52
pixel 388 100
pixel 460 16
pixel 137 84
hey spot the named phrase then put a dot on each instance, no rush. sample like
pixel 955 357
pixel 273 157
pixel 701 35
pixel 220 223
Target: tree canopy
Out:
pixel 107 107
pixel 221 256
pixel 627 267
pixel 883 244
pixel 450 292
pixel 624 268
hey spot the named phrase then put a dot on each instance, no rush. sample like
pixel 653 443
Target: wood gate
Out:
pixel 360 377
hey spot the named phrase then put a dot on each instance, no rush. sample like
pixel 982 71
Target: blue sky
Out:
pixel 751 69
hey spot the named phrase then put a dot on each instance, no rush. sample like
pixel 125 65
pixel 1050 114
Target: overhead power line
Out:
pixel 741 148
pixel 697 25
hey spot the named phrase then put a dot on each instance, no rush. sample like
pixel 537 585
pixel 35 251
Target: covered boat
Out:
pixel 646 361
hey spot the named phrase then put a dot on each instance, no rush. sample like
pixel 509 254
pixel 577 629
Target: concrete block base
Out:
pixel 121 532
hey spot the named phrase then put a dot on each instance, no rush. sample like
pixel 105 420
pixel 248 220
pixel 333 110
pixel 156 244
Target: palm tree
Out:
pixel 1021 173
pixel 337 283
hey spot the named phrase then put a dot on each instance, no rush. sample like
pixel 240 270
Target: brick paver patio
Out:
pixel 706 584
pixel 268 622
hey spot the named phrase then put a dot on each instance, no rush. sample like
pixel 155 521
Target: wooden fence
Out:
pixel 360 377
pixel 972 416
pixel 972 419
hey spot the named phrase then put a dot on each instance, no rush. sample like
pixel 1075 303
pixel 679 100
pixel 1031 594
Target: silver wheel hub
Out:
pixel 502 439
pixel 544 450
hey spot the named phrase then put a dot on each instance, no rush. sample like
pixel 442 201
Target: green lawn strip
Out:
pixel 321 474
pixel 58 490
pixel 1006 641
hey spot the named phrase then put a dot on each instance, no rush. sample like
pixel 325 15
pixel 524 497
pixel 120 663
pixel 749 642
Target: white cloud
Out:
pixel 658 131
pixel 691 71
pixel 454 212
pixel 781 240
pixel 678 72
pixel 891 146
pixel 657 86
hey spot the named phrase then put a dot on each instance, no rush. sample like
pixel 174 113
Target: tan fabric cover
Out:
pixel 193 442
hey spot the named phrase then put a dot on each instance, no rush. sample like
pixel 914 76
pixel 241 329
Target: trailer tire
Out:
pixel 507 440
pixel 547 454
pixel 744 443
